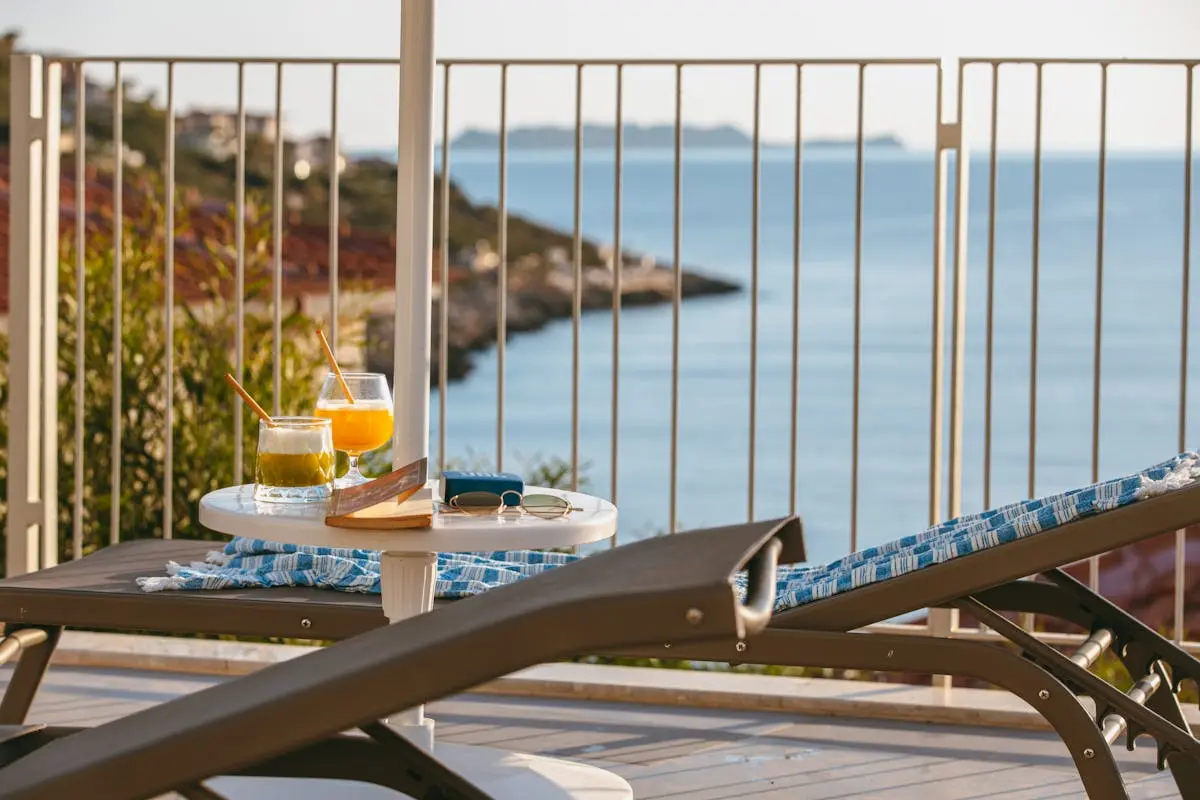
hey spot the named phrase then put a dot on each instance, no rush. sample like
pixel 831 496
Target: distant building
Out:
pixel 313 155
pixel 98 98
pixel 215 132
pixel 484 258
pixel 607 256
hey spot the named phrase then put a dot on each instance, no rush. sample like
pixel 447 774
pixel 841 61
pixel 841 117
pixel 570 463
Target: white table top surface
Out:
pixel 234 511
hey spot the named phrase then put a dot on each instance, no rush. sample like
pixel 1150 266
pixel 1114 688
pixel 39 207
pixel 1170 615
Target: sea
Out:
pixel 1140 246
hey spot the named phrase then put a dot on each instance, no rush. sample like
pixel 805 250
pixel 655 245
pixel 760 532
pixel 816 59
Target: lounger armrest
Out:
pixel 789 532
pixel 760 589
pixel 688 585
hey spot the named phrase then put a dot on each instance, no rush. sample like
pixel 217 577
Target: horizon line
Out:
pixel 923 149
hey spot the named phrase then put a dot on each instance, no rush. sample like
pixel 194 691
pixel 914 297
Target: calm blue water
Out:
pixel 1140 352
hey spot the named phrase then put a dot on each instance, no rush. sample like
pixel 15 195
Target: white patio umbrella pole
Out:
pixel 408 578
pixel 414 232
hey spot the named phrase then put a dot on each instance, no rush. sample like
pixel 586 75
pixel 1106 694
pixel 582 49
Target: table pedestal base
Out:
pixel 419 733
pixel 504 775
pixel 407 581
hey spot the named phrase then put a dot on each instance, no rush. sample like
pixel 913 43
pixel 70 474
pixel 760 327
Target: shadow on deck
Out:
pixel 673 752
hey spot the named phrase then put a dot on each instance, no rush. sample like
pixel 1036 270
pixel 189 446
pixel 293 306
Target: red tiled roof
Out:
pixel 365 258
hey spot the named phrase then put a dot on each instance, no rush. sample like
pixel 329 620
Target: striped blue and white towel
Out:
pixel 971 533
pixel 246 563
pixel 251 563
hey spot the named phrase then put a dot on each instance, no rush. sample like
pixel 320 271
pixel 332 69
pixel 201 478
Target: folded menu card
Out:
pixel 389 502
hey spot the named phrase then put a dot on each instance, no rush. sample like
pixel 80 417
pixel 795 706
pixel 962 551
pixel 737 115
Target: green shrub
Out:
pixel 203 352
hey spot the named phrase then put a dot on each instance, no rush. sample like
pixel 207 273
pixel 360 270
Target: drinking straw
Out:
pixel 337 371
pixel 250 401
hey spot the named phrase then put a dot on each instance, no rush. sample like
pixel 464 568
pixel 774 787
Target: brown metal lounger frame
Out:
pixel 380 757
pixel 289 719
pixel 821 634
pixel 818 634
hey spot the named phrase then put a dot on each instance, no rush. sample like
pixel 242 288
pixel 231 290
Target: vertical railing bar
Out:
pixel 502 282
pixel 988 373
pixel 577 293
pixel 1185 291
pixel 797 190
pixel 1034 269
pixel 118 111
pixel 958 314
pixel 47 333
pixel 677 242
pixel 444 279
pixel 80 299
pixel 169 314
pixel 1028 620
pixel 943 621
pixel 1094 561
pixel 754 234
pixel 334 210
pixel 938 323
pixel 39 176
pixel 239 274
pixel 277 245
pixel 618 269
pixel 859 174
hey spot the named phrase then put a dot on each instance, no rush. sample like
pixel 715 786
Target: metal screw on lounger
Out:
pixel 694 616
pixel 1089 753
pixel 306 623
pixel 1044 694
pixel 740 647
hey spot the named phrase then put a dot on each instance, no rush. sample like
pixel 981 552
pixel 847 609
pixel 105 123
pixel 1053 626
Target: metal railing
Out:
pixel 32 530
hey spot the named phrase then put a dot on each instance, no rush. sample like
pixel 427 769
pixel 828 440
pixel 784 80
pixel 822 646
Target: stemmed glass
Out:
pixel 362 422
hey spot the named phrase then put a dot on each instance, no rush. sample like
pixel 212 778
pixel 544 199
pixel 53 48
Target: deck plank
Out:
pixel 694 754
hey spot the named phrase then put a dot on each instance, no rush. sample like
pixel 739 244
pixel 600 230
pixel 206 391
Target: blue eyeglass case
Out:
pixel 456 482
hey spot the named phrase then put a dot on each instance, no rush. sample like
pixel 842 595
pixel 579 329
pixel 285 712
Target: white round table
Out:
pixel 408 573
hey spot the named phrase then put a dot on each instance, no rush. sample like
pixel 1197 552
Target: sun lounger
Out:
pixel 289 719
pixel 978 563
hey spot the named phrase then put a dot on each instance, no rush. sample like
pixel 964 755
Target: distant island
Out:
pixel 647 137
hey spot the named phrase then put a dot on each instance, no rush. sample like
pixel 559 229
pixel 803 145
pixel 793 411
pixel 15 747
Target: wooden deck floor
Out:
pixel 683 754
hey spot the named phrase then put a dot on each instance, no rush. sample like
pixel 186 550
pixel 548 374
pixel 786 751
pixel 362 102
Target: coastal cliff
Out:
pixel 537 292
pixel 532 303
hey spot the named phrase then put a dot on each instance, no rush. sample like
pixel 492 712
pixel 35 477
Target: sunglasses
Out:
pixel 544 506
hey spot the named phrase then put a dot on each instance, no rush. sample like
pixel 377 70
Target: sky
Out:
pixel 1146 104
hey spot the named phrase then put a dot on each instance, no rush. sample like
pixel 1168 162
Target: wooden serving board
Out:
pixel 415 512
pixel 390 502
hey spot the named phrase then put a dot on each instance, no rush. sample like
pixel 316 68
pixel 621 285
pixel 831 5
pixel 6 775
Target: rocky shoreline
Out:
pixel 534 301
pixel 538 293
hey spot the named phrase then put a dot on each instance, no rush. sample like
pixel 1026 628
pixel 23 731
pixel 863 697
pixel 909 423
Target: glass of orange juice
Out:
pixel 362 422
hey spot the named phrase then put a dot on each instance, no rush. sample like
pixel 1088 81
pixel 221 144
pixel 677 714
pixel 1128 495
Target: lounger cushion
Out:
pixel 972 533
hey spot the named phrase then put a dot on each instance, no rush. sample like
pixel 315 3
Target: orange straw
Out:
pixel 337 371
pixel 250 401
